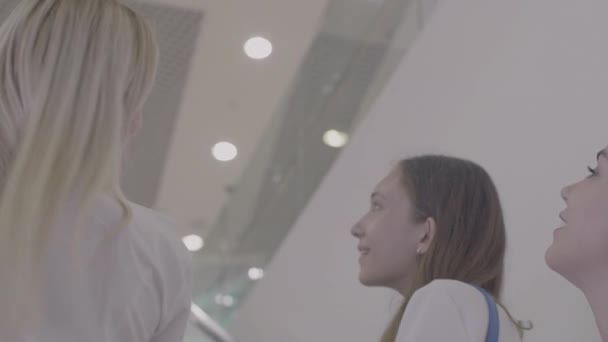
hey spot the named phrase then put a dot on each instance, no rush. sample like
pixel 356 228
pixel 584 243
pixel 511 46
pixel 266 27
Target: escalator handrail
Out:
pixel 207 325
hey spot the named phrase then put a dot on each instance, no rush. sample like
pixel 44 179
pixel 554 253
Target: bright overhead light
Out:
pixel 255 273
pixel 224 300
pixel 193 242
pixel 258 48
pixel 224 151
pixel 335 139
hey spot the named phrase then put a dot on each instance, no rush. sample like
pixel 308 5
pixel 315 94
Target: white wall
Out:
pixel 521 87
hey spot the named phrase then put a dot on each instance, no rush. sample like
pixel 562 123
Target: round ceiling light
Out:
pixel 258 48
pixel 255 273
pixel 335 139
pixel 224 151
pixel 224 300
pixel 193 242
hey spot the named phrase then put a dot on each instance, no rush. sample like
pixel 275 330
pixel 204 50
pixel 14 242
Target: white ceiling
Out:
pixel 230 97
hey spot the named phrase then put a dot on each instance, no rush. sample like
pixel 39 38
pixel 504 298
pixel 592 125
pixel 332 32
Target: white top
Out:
pixel 449 310
pixel 130 285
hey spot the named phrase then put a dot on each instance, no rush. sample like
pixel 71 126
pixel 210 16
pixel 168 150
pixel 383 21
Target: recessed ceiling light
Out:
pixel 335 139
pixel 258 48
pixel 224 300
pixel 224 151
pixel 193 242
pixel 255 273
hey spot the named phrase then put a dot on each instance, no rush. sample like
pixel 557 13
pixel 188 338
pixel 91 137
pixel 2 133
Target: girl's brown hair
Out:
pixel 470 241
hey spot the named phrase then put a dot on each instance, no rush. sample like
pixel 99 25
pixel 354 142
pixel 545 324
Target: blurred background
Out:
pixel 272 120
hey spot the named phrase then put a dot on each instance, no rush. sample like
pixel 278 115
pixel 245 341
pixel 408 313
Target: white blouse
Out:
pixel 129 285
pixel 449 310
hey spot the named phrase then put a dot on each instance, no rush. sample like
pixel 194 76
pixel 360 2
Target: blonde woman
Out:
pixel 78 262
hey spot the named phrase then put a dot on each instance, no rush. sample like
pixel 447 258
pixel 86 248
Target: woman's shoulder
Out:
pixel 157 229
pixel 146 218
pixel 461 304
pixel 154 235
pixel 444 310
pixel 451 288
pixel 465 299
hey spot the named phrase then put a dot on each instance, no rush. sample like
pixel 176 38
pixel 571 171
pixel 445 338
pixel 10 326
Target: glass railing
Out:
pixel 201 328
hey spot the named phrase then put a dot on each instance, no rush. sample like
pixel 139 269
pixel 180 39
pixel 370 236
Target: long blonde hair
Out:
pixel 72 75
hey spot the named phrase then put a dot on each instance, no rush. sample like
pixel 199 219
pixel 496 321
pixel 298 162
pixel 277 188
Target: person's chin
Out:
pixel 550 257
pixel 561 263
pixel 366 280
pixel 553 253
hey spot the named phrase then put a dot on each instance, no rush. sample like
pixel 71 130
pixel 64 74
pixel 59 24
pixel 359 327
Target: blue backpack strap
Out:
pixel 493 323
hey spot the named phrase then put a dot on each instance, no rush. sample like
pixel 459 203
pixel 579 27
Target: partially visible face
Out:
pixel 581 245
pixel 388 236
